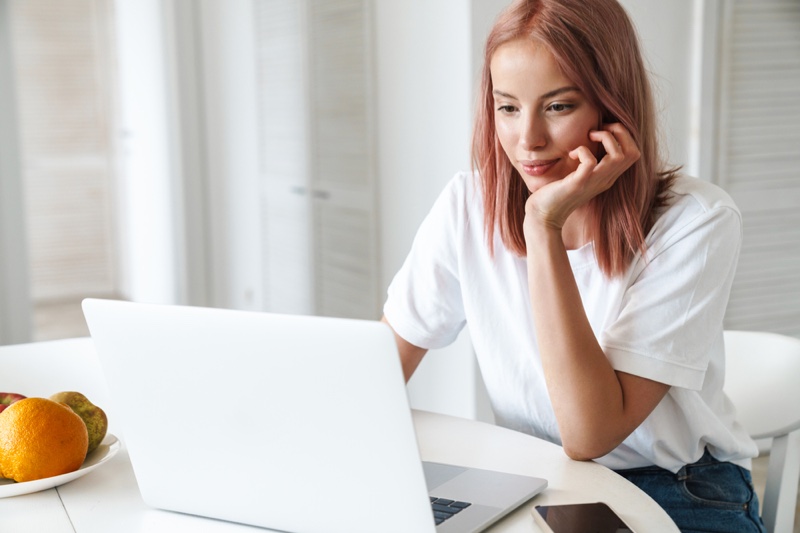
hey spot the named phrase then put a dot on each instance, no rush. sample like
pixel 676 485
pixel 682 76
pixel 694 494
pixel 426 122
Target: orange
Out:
pixel 40 438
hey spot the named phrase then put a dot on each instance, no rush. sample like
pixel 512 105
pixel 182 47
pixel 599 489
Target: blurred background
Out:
pixel 279 155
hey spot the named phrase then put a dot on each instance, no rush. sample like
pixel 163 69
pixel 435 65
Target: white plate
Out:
pixel 107 449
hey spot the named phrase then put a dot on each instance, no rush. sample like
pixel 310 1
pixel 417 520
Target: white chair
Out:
pixel 762 379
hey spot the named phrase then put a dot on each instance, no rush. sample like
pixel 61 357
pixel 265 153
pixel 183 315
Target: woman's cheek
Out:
pixel 504 135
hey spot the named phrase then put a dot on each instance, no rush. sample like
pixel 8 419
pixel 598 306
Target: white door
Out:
pixel 318 178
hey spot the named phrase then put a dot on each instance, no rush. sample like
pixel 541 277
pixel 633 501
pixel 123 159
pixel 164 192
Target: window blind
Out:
pixel 62 53
pixel 759 158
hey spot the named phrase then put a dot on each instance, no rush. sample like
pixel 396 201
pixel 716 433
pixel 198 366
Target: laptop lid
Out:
pixel 293 423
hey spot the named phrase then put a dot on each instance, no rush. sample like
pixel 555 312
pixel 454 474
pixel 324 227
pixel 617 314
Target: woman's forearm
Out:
pixel 595 406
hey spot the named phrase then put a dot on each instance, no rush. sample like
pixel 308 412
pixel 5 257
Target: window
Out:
pixel 757 156
pixel 62 54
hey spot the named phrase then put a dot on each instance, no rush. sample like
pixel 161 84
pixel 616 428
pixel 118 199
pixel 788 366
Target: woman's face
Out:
pixel 540 115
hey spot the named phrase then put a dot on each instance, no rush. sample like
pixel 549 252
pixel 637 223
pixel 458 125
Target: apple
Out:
pixel 93 416
pixel 7 398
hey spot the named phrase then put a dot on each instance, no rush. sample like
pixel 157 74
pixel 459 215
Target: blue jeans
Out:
pixel 708 495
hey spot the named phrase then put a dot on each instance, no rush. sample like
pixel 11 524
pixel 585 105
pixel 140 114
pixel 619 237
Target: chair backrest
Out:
pixel 762 379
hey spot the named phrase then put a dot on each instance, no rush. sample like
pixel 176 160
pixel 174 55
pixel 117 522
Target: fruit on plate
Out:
pixel 40 438
pixel 7 398
pixel 93 416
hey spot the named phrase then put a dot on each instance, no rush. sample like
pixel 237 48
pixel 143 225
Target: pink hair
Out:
pixel 596 46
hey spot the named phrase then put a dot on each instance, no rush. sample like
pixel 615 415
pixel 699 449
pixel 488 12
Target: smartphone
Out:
pixel 581 518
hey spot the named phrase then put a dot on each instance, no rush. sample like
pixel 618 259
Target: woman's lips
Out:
pixel 538 167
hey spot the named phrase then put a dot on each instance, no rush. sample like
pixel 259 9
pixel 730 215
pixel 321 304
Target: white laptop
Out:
pixel 291 423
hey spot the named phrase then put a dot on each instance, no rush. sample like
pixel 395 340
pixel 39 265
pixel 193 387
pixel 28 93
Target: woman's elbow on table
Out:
pixel 585 452
pixel 595 435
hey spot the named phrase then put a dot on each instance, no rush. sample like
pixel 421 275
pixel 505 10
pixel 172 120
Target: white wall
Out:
pixel 424 100
pixel 188 137
pixel 666 30
pixel 424 85
pixel 146 195
pixel 231 144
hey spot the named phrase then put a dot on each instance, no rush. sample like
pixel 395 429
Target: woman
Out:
pixel 594 279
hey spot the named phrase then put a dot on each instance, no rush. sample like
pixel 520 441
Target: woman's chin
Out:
pixel 534 183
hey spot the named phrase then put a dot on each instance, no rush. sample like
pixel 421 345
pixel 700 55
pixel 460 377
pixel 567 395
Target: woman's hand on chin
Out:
pixel 551 205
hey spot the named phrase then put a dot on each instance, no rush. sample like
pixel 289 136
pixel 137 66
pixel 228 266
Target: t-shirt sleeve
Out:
pixel 672 312
pixel 424 304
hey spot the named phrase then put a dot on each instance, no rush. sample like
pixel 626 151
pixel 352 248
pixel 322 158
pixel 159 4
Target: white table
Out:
pixel 108 499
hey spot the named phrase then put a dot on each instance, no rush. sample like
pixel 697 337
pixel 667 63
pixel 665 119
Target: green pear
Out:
pixel 94 417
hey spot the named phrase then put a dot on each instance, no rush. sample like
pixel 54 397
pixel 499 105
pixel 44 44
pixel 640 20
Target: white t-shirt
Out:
pixel 661 320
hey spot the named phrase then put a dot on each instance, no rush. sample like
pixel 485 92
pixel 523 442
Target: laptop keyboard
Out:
pixel 444 508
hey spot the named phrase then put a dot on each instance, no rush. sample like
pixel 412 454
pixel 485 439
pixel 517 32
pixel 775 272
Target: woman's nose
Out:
pixel 533 134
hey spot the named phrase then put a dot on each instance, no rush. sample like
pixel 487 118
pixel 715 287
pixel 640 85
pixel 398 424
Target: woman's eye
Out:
pixel 506 108
pixel 560 108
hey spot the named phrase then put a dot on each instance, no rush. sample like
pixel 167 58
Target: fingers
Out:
pixel 611 145
pixel 621 152
pixel 586 161
pixel 617 143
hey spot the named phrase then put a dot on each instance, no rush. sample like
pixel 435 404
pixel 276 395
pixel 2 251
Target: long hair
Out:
pixel 596 47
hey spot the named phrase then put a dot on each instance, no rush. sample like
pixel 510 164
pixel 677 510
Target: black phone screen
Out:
pixel 582 518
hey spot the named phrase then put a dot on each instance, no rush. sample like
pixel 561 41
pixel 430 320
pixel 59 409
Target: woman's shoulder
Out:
pixel 464 183
pixel 463 191
pixel 693 204
pixel 703 195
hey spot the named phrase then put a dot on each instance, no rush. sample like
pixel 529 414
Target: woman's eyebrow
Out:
pixel 504 95
pixel 550 94
pixel 558 91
